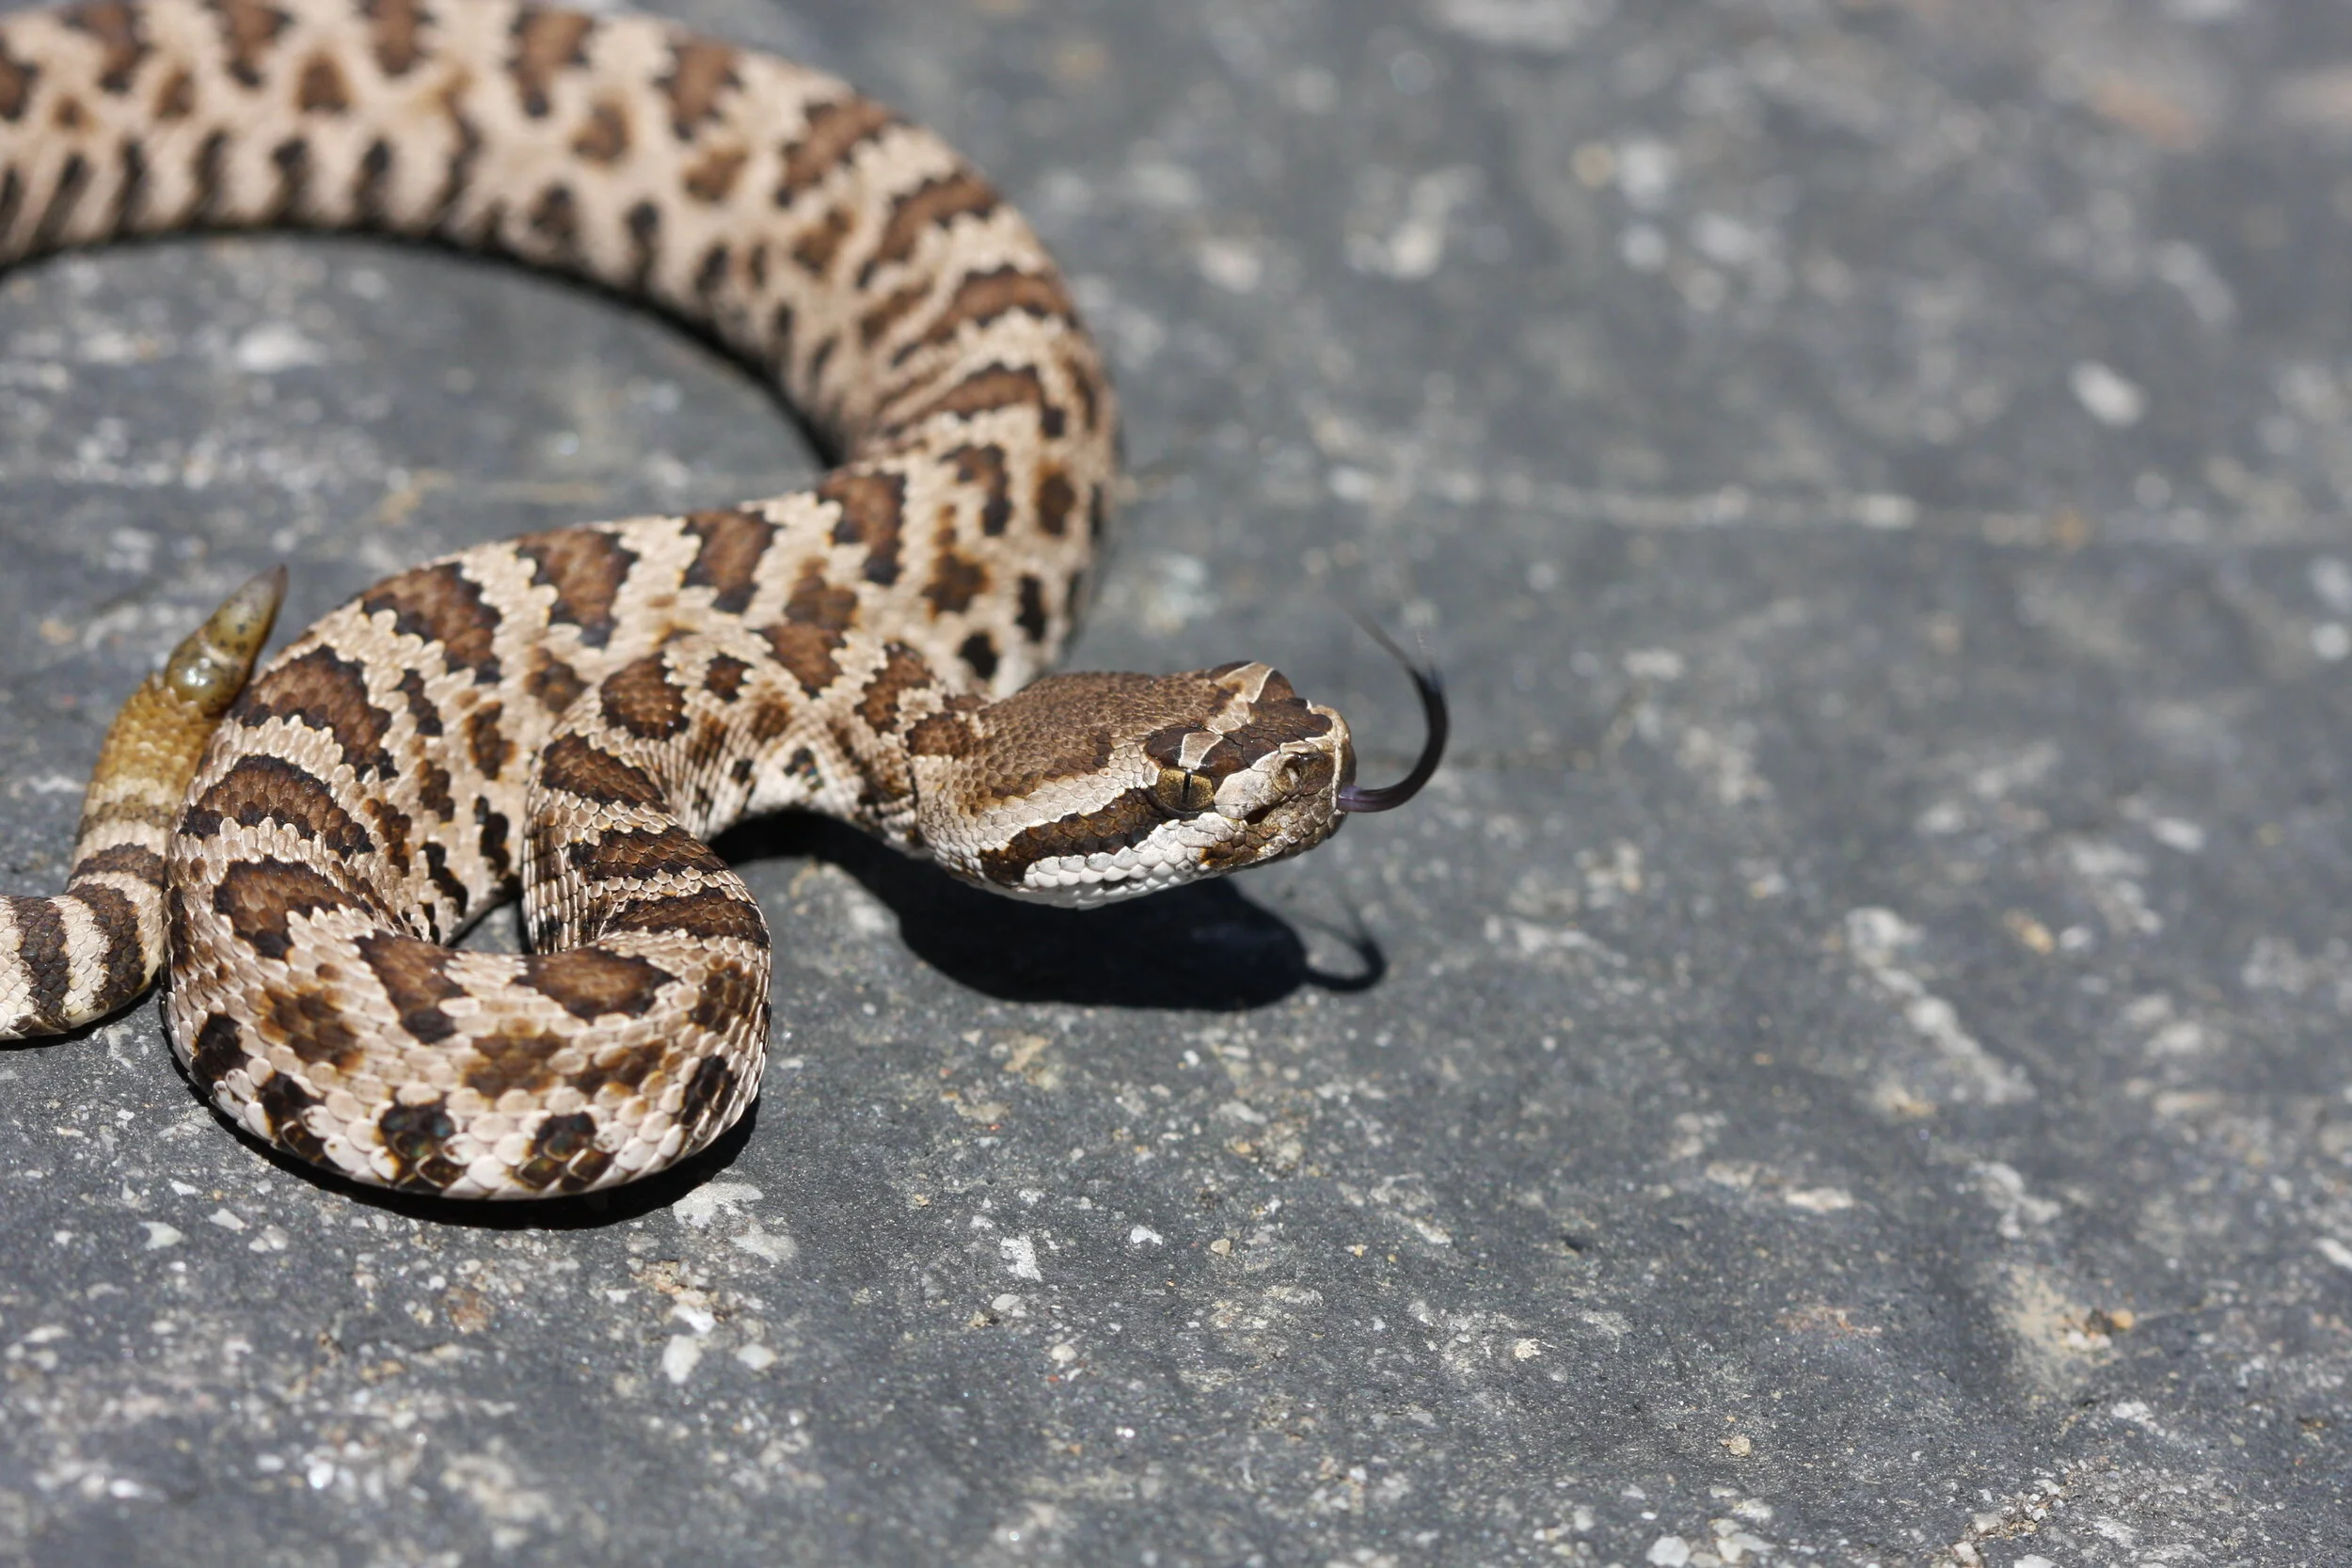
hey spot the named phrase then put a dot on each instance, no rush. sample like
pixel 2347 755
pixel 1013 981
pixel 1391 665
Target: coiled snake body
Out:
pixel 575 712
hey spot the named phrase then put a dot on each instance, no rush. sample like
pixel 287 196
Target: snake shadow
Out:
pixel 1205 947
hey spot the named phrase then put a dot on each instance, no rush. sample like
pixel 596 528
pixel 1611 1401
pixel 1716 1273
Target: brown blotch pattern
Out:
pixel 117 922
pixel 248 28
pixel 589 984
pixel 709 914
pixel 486 743
pixel 942 734
pixel 115 26
pixel 367 195
pixel 395 24
pixel 987 390
pixel 641 699
pixel 605 139
pixel 730 546
pixel 309 1024
pixel 547 43
pixel 956 580
pixel 835 130
pixel 433 791
pixel 440 604
pixel 712 180
pixel 556 1151
pixel 262 789
pixel 639 854
pixel 807 652
pixel 322 89
pixel 40 946
pixel 415 977
pixel 259 899
pixel 880 322
pixel 1126 821
pixel 872 506
pixel 1032 618
pixel 724 676
pixel 644 242
pixel 555 220
pixel 555 685
pixel 700 71
pixel 581 769
pixel 490 831
pixel 125 860
pixel 903 671
pixel 414 1136
pixel 322 690
pixel 708 1088
pixel 1056 501
pixel 985 296
pixel 73 178
pixel 984 466
pixel 587 570
pixel 391 825
pixel 511 1059
pixel 284 1102
pixel 933 205
pixel 422 715
pixel 16 85
pixel 219 1050
pixel 818 244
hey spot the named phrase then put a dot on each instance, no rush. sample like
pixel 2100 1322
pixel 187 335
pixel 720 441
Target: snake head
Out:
pixel 1083 789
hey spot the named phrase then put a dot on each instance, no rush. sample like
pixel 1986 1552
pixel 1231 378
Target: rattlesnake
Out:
pixel 577 711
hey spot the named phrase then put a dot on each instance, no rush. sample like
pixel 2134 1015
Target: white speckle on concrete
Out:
pixel 2331 580
pixel 225 1220
pixel 1020 1255
pixel 1143 1235
pixel 2005 1189
pixel 770 1245
pixel 757 1358
pixel 1535 26
pixel 2113 400
pixel 707 1202
pixel 680 1357
pixel 1875 937
pixel 160 1235
pixel 1669 1551
pixel 275 347
pixel 1655 664
pixel 1235 266
pixel 2335 1252
pixel 1818 1200
pixel 1646 173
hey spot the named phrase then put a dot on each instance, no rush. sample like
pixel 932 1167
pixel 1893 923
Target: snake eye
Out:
pixel 1182 794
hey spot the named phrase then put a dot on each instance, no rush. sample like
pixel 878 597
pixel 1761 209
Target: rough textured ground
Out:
pixel 1847 1066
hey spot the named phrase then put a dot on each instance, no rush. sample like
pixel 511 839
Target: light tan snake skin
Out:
pixel 577 711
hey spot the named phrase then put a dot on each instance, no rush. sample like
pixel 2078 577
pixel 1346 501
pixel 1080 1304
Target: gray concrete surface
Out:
pixel 1846 1066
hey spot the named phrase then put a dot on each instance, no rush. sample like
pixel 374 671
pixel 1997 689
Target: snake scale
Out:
pixel 574 713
